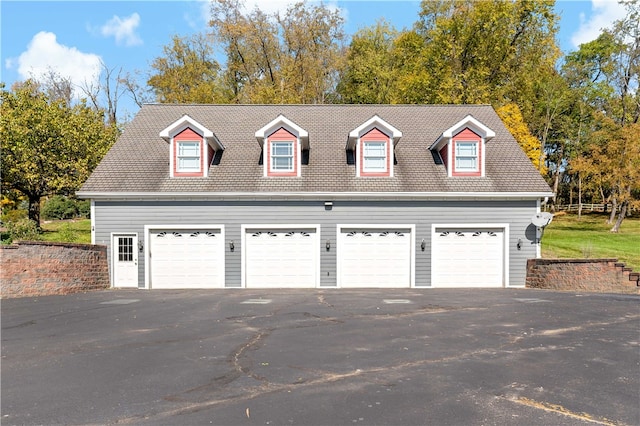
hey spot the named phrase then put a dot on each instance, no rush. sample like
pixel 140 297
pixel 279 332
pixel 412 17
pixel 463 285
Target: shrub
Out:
pixel 22 229
pixel 59 207
pixel 84 208
pixel 68 234
pixel 13 215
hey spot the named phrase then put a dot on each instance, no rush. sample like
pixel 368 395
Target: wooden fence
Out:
pixel 591 207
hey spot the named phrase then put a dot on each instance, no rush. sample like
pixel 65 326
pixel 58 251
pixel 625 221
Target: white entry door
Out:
pixel 186 258
pixel 281 257
pixel 468 257
pixel 374 257
pixel 124 255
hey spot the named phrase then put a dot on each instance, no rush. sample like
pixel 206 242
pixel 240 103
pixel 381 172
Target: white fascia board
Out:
pixel 484 132
pixel 368 125
pixel 324 196
pixel 186 121
pixel 290 126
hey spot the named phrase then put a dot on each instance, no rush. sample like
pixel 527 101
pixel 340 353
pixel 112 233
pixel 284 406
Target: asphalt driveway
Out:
pixel 332 357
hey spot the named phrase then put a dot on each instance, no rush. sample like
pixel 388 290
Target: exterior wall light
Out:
pixel 328 245
pixel 232 246
pixel 519 244
pixel 328 205
pixel 140 246
pixel 423 245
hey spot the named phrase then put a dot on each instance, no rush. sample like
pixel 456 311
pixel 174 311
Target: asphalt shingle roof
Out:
pixel 139 161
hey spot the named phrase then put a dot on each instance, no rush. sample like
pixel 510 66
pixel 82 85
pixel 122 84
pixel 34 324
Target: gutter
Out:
pixel 320 196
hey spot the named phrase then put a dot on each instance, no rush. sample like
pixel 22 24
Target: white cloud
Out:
pixel 123 29
pixel 44 54
pixel 603 14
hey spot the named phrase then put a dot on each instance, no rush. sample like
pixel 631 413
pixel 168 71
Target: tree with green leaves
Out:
pixel 486 52
pixel 370 73
pixel 188 72
pixel 48 147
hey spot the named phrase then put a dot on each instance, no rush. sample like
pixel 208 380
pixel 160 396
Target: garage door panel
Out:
pixel 468 257
pixel 375 258
pixel 187 259
pixel 281 258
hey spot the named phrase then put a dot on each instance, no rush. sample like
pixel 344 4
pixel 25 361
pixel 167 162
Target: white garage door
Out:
pixel 281 258
pixel 372 257
pixel 184 258
pixel 464 257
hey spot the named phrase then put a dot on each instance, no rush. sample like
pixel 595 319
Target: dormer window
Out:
pixel 374 156
pixel 373 144
pixel 282 142
pixel 192 148
pixel 466 160
pixel 282 156
pixel 462 147
pixel 188 157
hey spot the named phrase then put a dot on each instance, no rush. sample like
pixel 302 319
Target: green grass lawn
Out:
pixel 589 237
pixel 69 231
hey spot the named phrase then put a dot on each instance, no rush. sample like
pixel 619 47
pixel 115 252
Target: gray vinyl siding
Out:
pixel 132 216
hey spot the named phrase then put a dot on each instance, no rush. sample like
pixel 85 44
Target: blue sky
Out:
pixel 72 37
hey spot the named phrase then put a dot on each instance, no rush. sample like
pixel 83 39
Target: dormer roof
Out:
pixel 187 122
pixel 466 123
pixel 373 122
pixel 283 122
pixel 136 165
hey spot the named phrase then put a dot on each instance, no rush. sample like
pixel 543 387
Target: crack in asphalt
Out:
pixel 552 332
pixel 559 409
pixel 242 365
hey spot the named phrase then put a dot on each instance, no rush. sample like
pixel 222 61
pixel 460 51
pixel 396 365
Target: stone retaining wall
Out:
pixel 35 268
pixel 593 275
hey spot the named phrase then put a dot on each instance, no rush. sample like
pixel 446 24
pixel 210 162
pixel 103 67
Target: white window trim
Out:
pixel 384 156
pixel 476 143
pixel 93 221
pixel 267 164
pixel 388 165
pixel 412 255
pixel 147 246
pixel 504 226
pixel 273 155
pixel 199 156
pixel 243 248
pixel 451 161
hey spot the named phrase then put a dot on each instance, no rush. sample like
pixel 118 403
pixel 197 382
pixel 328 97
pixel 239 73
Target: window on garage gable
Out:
pixel 461 148
pixel 192 148
pixel 373 144
pixel 283 146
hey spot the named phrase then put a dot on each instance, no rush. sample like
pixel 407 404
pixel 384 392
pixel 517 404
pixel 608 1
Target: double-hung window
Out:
pixel 282 156
pixel 375 156
pixel 466 156
pixel 188 157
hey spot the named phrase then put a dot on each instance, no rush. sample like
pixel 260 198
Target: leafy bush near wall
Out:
pixel 21 229
pixel 13 215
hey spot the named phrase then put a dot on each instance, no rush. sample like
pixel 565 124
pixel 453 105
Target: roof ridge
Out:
pixel 319 105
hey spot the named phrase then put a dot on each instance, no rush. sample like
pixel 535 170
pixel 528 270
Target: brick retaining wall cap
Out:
pixel 58 244
pixel 554 261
